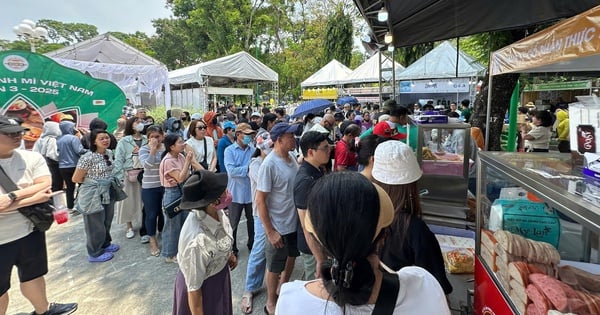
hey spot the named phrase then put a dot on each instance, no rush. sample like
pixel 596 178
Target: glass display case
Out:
pixel 537 240
pixel 446 158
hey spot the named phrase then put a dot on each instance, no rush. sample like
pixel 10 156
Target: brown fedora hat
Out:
pixel 202 188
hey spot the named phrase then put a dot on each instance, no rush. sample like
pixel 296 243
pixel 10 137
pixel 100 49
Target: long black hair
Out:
pixel 169 141
pixel 93 135
pixel 345 225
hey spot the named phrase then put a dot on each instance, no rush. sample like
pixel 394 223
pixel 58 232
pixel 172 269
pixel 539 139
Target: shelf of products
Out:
pixel 537 241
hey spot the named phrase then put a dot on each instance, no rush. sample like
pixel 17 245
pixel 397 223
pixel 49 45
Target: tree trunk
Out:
pixel 503 86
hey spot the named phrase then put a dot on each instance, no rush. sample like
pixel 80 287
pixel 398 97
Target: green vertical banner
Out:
pixel 512 120
pixel 34 88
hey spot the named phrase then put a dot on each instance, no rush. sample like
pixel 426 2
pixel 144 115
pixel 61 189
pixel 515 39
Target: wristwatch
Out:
pixel 12 196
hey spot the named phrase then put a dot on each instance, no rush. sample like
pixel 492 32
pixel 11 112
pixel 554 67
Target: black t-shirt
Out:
pixel 305 179
pixel 419 248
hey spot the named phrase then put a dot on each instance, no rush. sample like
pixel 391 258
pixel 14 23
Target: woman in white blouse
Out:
pixel 203 145
pixel 205 256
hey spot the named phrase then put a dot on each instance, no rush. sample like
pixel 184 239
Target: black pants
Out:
pixel 235 213
pixel 67 174
pixel 57 179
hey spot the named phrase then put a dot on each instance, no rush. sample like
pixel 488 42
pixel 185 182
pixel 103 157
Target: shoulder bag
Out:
pixel 40 214
pixel 388 294
pixel 204 163
pixel 172 209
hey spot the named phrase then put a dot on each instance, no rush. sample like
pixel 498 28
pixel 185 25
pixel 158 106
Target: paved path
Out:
pixel 131 283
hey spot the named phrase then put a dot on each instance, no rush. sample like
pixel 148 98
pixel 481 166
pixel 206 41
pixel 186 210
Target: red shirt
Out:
pixel 345 157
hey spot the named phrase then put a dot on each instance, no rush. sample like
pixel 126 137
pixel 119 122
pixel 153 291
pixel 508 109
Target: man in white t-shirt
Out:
pixel 20 244
pixel 276 208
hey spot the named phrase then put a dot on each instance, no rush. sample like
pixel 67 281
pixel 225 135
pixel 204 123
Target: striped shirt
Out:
pixel 151 178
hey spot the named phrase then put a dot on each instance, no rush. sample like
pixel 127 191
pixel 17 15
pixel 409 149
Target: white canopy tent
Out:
pixel 107 57
pixel 216 77
pixel 368 72
pixel 240 67
pixel 441 62
pixel 333 73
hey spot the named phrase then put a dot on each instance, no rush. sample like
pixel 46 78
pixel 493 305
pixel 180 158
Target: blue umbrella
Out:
pixel 347 99
pixel 312 106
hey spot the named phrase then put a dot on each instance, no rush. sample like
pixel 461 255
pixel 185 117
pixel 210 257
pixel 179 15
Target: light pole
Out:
pixel 28 31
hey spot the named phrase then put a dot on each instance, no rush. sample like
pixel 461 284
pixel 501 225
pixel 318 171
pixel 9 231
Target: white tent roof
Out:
pixel 369 70
pixel 331 74
pixel 240 67
pixel 104 48
pixel 441 63
pixel 106 57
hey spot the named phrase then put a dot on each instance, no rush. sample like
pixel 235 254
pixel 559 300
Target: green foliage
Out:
pixel 338 37
pixel 68 33
pixel 172 43
pixel 407 55
pixel 159 113
pixel 138 40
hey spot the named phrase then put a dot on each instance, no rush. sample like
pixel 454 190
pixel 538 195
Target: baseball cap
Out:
pixel 196 116
pixel 388 130
pixel 395 164
pixel 282 128
pixel 8 125
pixel 256 114
pixel 229 124
pixel 386 214
pixel 244 128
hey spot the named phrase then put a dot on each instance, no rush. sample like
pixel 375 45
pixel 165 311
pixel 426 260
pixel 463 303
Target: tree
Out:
pixel 172 43
pixel 407 55
pixel 338 37
pixel 68 33
pixel 138 40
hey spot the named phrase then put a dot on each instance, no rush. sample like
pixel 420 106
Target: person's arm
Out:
pixel 119 159
pixel 272 235
pixel 232 169
pixel 212 164
pixel 79 175
pixel 181 175
pixel 195 302
pixel 34 194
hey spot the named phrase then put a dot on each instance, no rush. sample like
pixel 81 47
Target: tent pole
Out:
pixel 380 78
pixel 394 72
pixel 488 113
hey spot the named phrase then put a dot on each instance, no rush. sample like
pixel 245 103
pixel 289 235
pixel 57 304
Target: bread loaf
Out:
pixel 517 291
pixel 586 280
pixel 489 258
pixel 488 240
pixel 519 271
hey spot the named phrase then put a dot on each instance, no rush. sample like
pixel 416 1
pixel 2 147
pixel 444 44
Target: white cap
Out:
pixel 395 164
pixel 256 114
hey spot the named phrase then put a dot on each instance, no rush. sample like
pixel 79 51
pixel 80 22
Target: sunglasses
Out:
pixel 201 127
pixel 107 160
pixel 14 134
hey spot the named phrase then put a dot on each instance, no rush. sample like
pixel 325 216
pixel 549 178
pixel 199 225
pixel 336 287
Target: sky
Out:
pixel 127 16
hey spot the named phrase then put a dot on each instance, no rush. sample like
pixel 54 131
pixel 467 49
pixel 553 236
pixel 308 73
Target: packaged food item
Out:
pixel 460 260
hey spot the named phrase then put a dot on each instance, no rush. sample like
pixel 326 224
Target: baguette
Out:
pixel 488 240
pixel 519 272
pixel 489 258
pixel 586 280
pixel 517 291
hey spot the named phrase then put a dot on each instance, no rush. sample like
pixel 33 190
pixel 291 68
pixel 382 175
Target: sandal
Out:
pixel 247 302
pixel 155 252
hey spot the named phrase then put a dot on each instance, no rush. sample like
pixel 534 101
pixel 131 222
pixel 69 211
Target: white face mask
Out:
pixel 139 127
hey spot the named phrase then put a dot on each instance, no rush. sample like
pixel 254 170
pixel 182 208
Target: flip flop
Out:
pixel 247 302
pixel 102 258
pixel 155 253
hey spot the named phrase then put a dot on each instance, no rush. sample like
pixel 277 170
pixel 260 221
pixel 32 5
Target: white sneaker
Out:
pixel 130 233
pixel 145 239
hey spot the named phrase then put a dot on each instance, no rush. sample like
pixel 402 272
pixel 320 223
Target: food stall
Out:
pixel 537 239
pixel 538 229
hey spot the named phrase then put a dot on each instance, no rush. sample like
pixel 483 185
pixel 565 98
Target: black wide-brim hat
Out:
pixel 202 188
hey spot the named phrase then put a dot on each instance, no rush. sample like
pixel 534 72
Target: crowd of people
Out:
pixel 295 181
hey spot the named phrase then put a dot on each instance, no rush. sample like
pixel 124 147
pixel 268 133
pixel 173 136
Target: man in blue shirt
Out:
pixel 237 159
pixel 225 141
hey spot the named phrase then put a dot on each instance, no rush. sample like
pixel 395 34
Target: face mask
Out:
pixel 247 139
pixel 224 202
pixel 139 127
pixel 391 124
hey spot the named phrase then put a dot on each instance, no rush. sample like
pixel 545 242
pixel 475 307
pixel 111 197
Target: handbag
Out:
pixel 132 175
pixel 203 162
pixel 172 209
pixel 39 214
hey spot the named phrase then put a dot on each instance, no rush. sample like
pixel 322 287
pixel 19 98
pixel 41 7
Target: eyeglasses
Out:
pixel 327 148
pixel 14 134
pixel 201 127
pixel 107 160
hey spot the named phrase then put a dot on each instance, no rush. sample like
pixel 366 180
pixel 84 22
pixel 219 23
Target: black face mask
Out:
pixel 215 121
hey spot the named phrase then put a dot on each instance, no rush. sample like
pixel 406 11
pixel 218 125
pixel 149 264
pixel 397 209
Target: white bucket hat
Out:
pixel 395 164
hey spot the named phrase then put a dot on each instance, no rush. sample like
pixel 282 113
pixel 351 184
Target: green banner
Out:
pixel 556 86
pixel 34 88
